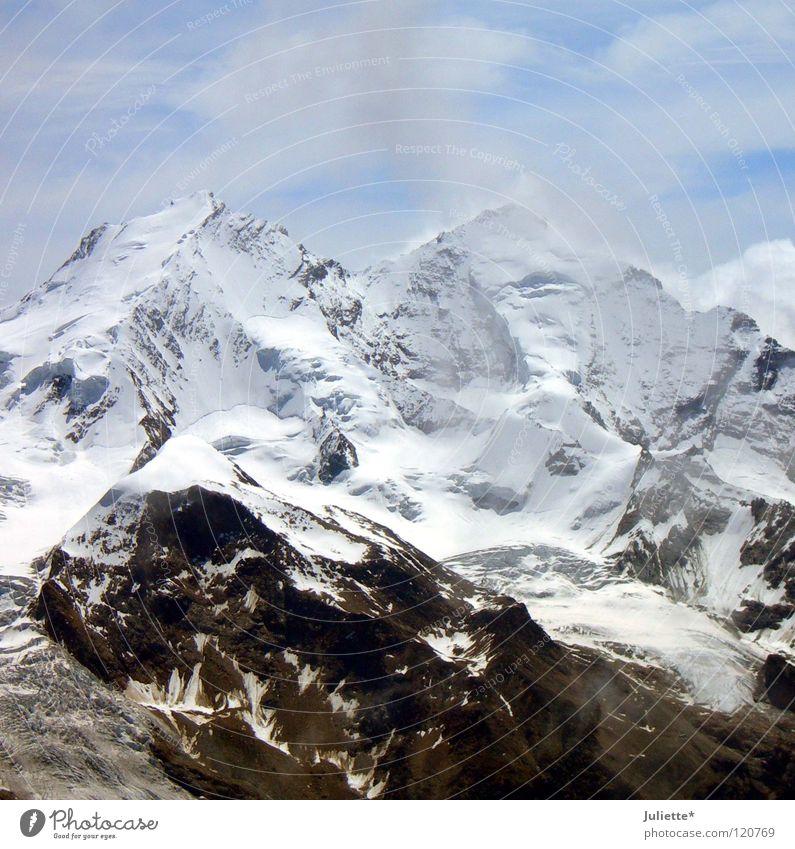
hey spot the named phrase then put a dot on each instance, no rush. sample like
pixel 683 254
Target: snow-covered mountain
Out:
pixel 296 654
pixel 550 421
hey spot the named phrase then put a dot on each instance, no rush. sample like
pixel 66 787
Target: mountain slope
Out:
pixel 64 734
pixel 300 655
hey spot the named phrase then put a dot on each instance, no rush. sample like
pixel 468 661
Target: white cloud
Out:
pixel 716 34
pixel 761 283
pixel 307 113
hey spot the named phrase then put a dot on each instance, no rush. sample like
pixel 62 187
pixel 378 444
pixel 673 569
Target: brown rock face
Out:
pixel 365 671
pixel 776 682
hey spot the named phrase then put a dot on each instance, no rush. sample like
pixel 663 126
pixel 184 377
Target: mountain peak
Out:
pixel 511 221
pixel 155 234
pixel 513 215
pixel 184 213
pixel 196 203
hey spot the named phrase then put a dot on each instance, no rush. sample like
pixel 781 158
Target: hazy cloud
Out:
pixel 365 126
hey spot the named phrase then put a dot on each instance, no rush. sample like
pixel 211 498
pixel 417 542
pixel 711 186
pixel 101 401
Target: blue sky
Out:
pixel 303 112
